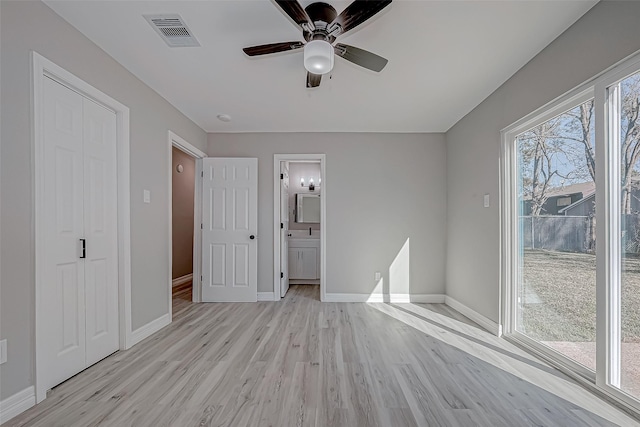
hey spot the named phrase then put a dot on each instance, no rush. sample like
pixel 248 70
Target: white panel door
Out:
pixel 229 230
pixel 100 225
pixel 62 293
pixel 284 229
pixel 78 315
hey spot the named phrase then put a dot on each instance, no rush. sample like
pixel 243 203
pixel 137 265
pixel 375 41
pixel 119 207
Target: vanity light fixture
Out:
pixel 311 185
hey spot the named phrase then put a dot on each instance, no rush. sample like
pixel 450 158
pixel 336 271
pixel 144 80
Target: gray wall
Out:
pixel 381 190
pixel 606 34
pixel 27 26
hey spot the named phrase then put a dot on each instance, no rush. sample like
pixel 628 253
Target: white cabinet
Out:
pixel 304 259
pixel 303 263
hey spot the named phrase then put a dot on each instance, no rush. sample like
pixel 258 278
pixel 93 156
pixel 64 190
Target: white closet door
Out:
pixel 79 290
pixel 230 222
pixel 100 231
pixel 62 293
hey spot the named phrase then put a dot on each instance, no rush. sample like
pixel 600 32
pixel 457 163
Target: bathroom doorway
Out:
pixel 299 224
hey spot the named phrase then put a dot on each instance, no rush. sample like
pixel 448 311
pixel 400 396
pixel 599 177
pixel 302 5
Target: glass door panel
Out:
pixel 625 97
pixel 556 289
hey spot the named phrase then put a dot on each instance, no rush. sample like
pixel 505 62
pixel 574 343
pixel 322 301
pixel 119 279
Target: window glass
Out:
pixel 556 289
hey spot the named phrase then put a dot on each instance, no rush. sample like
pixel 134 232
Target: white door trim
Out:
pixel 277 158
pixel 42 68
pixel 193 151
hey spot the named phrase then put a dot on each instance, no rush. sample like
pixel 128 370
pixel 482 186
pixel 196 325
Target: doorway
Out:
pixel 182 205
pixel 185 166
pixel 299 223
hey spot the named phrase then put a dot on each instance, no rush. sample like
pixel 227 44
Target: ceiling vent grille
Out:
pixel 173 30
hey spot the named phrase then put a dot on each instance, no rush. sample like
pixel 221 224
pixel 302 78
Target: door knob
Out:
pixel 252 237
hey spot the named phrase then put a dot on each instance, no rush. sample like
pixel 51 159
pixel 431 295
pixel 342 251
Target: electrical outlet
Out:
pixel 3 351
pixel 377 276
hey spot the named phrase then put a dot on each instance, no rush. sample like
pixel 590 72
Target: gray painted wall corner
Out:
pixel 605 35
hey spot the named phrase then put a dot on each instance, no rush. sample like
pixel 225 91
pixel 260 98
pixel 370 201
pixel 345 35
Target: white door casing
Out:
pixel 229 230
pixel 81 293
pixel 284 230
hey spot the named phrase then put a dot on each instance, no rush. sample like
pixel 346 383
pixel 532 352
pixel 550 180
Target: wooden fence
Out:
pixel 574 233
pixel 558 233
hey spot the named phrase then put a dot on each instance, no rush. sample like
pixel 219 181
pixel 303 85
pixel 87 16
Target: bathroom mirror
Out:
pixel 307 208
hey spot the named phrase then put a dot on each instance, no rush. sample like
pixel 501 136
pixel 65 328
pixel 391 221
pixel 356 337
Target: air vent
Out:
pixel 173 30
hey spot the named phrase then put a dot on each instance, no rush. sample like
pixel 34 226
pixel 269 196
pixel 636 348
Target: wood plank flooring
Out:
pixel 301 362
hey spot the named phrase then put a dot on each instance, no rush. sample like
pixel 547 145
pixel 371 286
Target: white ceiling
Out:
pixel 445 57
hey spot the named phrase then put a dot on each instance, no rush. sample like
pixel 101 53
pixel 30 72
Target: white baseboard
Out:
pixel 481 320
pixel 18 403
pixel 149 329
pixel 182 280
pixel 265 296
pixel 391 298
pixel 425 298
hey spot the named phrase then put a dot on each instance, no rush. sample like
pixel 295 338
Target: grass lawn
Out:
pixel 558 298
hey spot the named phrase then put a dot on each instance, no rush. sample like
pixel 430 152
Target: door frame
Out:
pixel 190 149
pixel 42 68
pixel 277 158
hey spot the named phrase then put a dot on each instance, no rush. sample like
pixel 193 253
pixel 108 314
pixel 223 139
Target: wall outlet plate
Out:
pixel 3 351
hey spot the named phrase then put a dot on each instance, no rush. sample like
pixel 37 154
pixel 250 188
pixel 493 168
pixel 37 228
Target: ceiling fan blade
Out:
pixel 272 48
pixel 358 12
pixel 295 12
pixel 313 80
pixel 360 57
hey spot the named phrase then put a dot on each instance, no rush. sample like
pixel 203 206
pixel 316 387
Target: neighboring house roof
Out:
pixel 586 188
pixel 578 202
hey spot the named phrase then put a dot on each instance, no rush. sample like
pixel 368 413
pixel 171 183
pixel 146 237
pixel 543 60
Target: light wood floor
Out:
pixel 304 363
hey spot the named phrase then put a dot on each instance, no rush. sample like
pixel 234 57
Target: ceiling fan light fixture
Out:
pixel 318 57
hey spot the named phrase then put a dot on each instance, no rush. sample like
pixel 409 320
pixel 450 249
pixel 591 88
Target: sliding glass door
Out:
pixel 571 231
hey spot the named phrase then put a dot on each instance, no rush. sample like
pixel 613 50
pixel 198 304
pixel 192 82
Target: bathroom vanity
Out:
pixel 304 257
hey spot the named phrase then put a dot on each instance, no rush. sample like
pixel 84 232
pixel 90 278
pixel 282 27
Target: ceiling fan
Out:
pixel 321 25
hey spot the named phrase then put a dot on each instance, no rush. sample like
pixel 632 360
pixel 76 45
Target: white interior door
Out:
pixel 63 308
pixel 284 228
pixel 100 231
pixel 229 230
pixel 79 311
